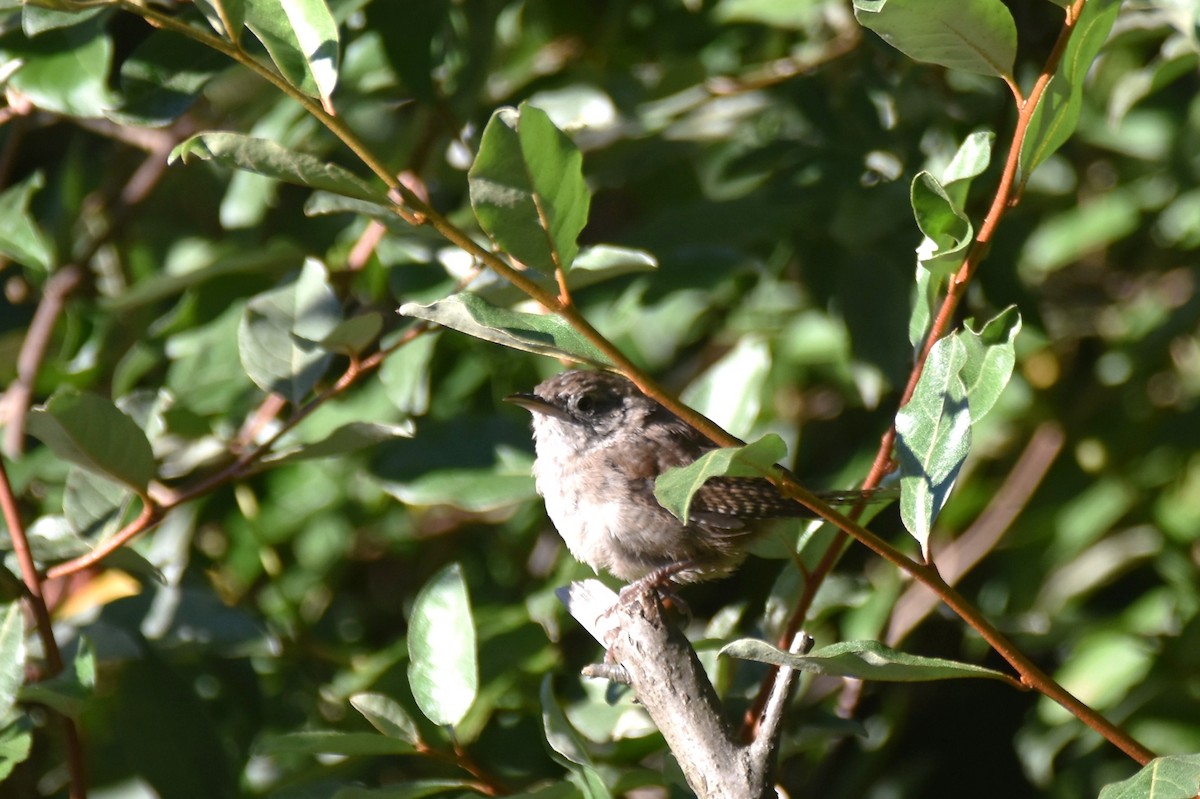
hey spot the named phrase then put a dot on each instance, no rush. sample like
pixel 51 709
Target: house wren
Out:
pixel 600 445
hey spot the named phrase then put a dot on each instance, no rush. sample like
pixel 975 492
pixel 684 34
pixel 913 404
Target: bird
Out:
pixel 600 443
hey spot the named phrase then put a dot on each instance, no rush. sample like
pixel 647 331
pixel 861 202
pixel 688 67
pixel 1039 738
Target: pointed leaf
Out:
pixel 329 742
pixel 527 188
pixel 933 436
pixel 972 35
pixel 91 432
pixel 227 17
pixel 1057 112
pixel 265 157
pixel 863 660
pixel 565 740
pixel 301 38
pixel 539 333
pixel 162 77
pixel 348 438
pixel 388 716
pixel 969 162
pixel 16 741
pixel 443 672
pixel 1172 777
pixel 991 353
pixel 675 488
pixel 68 691
pixel 20 237
pixel 947 230
pixel 12 656
pixel 280 328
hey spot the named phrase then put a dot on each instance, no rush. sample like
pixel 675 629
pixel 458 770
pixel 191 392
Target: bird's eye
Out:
pixel 585 404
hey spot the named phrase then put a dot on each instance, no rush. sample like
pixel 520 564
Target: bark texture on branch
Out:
pixel 662 667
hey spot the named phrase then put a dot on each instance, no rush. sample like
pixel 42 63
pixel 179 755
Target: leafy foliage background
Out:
pixel 258 641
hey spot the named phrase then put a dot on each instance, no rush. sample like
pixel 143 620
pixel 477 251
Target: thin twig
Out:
pixel 45 627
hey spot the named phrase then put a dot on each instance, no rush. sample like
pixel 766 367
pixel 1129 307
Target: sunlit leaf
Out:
pixel 21 239
pixel 265 157
pixel 388 716
pixel 443 672
pixel 675 488
pixel 863 660
pixel 543 334
pixel 301 37
pixel 933 436
pixel 990 356
pixel 12 656
pixel 1171 777
pixel 527 188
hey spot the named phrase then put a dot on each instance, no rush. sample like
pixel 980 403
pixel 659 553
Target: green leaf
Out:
pixel 265 157
pixel 947 230
pixel 12 656
pixel 969 162
pixel 280 328
pixel 405 375
pixel 543 334
pixel 162 77
pixel 348 438
pixel 933 436
pixel 355 334
pixel 927 290
pixel 991 355
pixel 1057 112
pixel 93 504
pixel 91 432
pixel 527 188
pixel 675 488
pixel 863 660
pixel 972 35
pixel 568 743
pixel 388 716
pixel 1172 777
pixel 472 490
pixel 227 17
pixel 302 39
pixel 20 237
pixel 64 70
pixel 323 742
pixel 415 789
pixel 16 741
pixel 443 672
pixel 69 691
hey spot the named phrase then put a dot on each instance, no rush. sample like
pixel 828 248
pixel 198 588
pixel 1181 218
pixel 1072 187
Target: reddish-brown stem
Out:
pixel 45 628
pixel 156 506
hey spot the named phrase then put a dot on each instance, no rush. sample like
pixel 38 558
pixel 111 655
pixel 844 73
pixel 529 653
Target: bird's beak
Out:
pixel 535 404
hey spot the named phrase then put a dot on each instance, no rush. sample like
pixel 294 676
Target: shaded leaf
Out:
pixel 355 334
pixel 527 188
pixel 91 432
pixel 543 334
pixel 675 488
pixel 279 331
pixel 443 672
pixel 94 505
pixel 68 691
pixel 162 77
pixel 329 742
pixel 64 70
pixel 351 437
pixel 265 157
pixel 410 790
pixel 227 17
pixel 947 230
pixel 972 35
pixel 474 490
pixel 569 744
pixel 863 660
